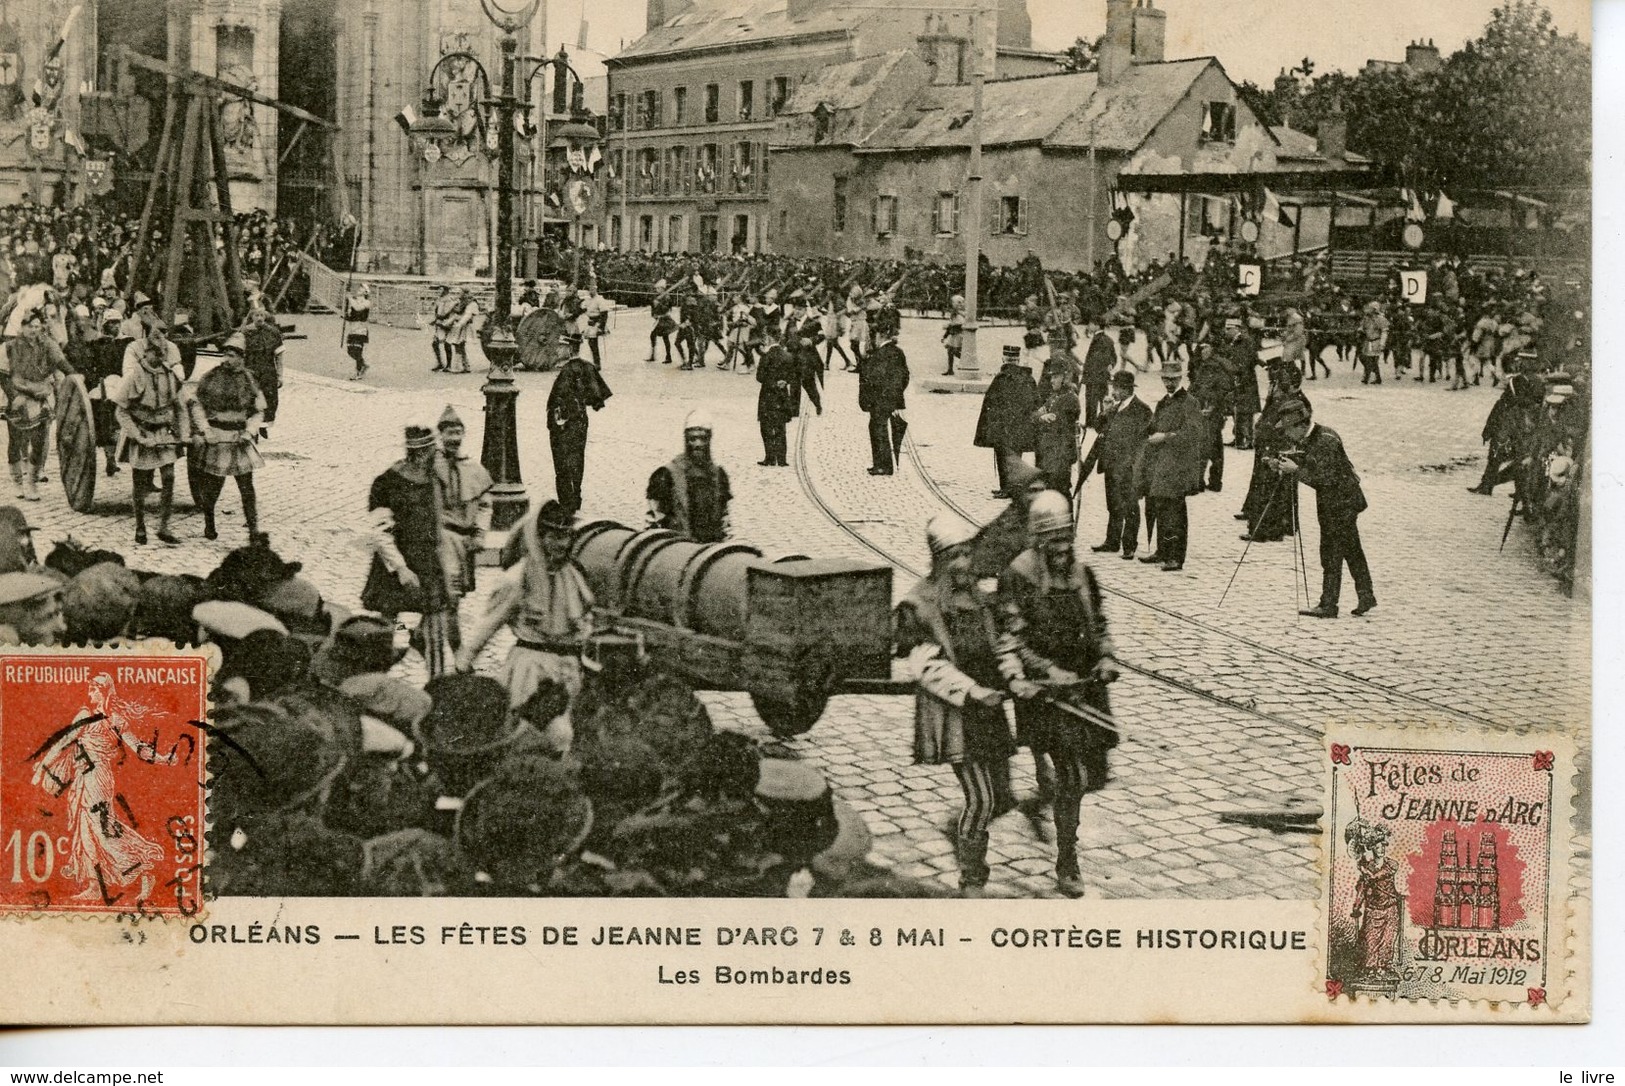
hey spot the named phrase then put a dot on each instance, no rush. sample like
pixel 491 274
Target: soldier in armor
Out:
pixel 225 418
pixel 28 368
pixel 152 418
pixel 1050 610
pixel 407 572
pixel 948 630
pixel 691 495
pixel 465 510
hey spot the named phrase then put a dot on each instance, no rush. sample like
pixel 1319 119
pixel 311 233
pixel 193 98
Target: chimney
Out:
pixel 1117 47
pixel 1422 57
pixel 662 12
pixel 1015 25
pixel 1150 35
pixel 1333 138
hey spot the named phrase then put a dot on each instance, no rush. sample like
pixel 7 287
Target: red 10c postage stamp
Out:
pixel 102 782
pixel 1442 882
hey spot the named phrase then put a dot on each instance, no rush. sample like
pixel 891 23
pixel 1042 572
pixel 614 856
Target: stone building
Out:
pixel 48 51
pixel 871 158
pixel 694 103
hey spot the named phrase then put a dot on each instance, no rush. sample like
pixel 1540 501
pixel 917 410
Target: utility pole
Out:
pixel 970 368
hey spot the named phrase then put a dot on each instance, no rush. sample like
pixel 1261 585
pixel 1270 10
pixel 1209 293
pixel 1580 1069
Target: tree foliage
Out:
pixel 1511 108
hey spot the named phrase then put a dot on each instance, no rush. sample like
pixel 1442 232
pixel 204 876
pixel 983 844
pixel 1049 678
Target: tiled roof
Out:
pixel 1055 110
pixel 844 86
pixel 1301 146
pixel 714 24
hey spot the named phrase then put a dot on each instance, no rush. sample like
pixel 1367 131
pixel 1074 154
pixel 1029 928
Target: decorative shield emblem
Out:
pixel 459 154
pixel 580 196
pixel 99 175
pixel 11 68
pixel 39 130
pixel 431 152
pixel 76 444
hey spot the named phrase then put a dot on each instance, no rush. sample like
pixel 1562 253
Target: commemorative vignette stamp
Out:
pixel 102 782
pixel 1448 868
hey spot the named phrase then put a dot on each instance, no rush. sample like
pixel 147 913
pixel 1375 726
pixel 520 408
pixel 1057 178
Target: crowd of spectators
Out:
pixel 334 776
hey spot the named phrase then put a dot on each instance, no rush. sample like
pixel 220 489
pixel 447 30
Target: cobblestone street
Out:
pixel 1221 708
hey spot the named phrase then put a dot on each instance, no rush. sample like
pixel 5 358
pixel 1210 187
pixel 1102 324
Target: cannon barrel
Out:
pixel 789 630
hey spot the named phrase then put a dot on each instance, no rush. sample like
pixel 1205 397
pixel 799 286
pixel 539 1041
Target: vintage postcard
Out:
pixel 796 511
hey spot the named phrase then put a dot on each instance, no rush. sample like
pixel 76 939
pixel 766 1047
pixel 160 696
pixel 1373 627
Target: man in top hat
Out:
pixel 578 388
pixel 30 608
pixel 691 495
pixel 882 386
pixel 407 571
pixel 544 599
pixel 1005 424
pixel 1171 469
pixel 152 418
pixel 1317 457
pixel 1050 609
pixel 465 512
pixel 1124 422
pixel 226 413
pixel 29 366
pixel 445 311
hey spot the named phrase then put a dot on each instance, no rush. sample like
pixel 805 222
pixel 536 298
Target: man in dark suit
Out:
pixel 1006 422
pixel 882 382
pixel 778 397
pixel 1124 422
pixel 1098 363
pixel 1171 468
pixel 1317 458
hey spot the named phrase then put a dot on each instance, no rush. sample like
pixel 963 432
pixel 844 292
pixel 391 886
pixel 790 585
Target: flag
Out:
pixel 1414 212
pixel 593 160
pixel 73 139
pixel 1446 208
pixel 406 118
pixel 1273 210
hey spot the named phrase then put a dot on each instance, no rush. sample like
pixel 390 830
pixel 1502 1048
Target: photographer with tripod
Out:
pixel 1315 456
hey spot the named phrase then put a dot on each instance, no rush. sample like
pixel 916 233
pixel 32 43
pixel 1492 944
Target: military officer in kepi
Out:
pixel 226 414
pixel 1050 612
pixel 691 495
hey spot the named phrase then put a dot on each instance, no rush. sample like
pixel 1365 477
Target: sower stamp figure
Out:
pixel 407 571
pixel 1318 459
pixel 578 386
pixel 691 495
pixel 1050 609
pixel 950 634
pixel 465 512
pixel 28 368
pixel 153 419
pixel 225 414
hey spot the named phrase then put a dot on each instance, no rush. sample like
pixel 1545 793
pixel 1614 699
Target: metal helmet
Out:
pixel 946 531
pixel 1049 512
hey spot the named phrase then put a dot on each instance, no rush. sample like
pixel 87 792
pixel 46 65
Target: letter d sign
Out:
pixel 1415 284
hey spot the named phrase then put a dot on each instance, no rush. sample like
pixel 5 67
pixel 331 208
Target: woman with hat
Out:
pixel 226 413
pixel 29 365
pixel 949 632
pixel 152 417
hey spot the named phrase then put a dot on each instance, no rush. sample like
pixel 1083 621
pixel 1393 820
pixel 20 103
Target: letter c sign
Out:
pixel 1249 278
